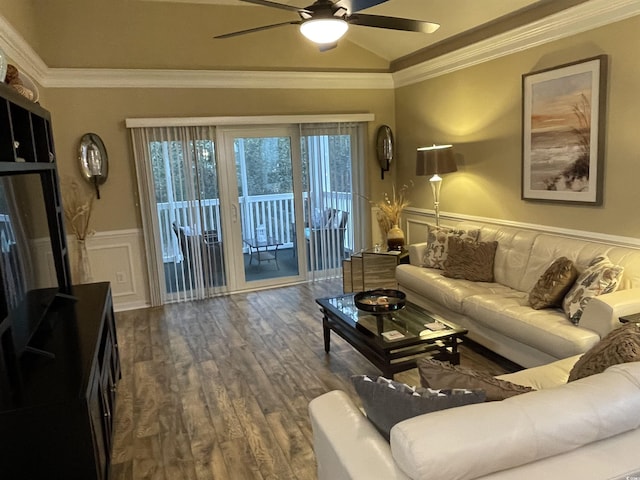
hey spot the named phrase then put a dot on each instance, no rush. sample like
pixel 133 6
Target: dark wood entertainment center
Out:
pixel 58 375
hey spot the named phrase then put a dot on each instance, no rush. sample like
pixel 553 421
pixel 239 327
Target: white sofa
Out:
pixel 497 314
pixel 587 430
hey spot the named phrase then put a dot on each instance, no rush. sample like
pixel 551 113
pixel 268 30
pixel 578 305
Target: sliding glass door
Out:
pixel 235 208
pixel 264 199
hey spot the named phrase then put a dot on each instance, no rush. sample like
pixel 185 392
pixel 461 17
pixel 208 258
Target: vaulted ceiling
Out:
pixel 178 34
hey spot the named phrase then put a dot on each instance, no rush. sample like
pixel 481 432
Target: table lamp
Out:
pixel 434 161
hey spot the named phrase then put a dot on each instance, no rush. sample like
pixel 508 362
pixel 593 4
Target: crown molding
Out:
pixel 574 20
pixel 21 53
pixel 566 23
pixel 131 78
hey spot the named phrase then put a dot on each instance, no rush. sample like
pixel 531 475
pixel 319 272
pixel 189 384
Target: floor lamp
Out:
pixel 435 160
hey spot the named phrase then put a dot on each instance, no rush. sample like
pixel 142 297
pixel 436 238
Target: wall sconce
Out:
pixel 384 148
pixel 434 161
pixel 94 163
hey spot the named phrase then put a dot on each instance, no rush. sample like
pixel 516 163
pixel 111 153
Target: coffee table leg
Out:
pixel 326 331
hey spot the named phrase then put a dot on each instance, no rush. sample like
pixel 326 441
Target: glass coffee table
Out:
pixel 393 341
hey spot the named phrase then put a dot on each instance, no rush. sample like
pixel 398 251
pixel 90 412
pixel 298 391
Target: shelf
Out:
pixel 29 127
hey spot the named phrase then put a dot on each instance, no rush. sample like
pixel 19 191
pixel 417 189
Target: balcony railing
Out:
pixel 273 212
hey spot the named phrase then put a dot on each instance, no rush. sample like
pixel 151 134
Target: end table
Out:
pixel 372 269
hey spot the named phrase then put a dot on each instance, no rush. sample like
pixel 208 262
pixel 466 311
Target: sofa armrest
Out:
pixel 346 444
pixel 416 253
pixel 602 313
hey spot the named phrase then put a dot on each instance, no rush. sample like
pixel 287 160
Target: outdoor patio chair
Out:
pixel 327 240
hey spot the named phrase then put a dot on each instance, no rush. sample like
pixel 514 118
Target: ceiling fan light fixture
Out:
pixel 324 30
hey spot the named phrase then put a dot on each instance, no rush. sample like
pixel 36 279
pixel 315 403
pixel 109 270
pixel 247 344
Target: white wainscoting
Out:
pixel 118 257
pixel 416 220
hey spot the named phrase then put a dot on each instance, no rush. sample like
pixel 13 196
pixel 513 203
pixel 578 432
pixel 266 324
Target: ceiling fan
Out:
pixel 324 22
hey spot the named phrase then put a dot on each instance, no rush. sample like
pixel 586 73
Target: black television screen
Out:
pixel 27 267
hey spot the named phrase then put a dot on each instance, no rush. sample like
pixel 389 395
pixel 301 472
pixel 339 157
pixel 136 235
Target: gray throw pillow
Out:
pixel 437 374
pixel 387 402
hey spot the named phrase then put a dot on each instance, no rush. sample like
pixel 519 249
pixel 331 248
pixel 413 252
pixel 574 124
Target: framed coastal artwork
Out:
pixel 563 132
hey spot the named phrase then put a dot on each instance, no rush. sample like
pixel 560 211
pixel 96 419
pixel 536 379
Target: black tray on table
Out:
pixel 381 300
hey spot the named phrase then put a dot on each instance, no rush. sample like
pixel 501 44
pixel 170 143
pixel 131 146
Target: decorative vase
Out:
pixel 395 238
pixel 83 268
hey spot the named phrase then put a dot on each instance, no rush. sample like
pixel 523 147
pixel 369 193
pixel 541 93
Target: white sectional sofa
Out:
pixel 497 314
pixel 587 429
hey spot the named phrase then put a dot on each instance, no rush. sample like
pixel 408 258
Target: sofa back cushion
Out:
pixel 512 254
pixel 475 440
pixel 547 247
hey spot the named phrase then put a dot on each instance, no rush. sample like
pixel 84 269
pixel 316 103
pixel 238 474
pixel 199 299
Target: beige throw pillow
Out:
pixel 553 285
pixel 621 345
pixel 440 375
pixel 438 244
pixel 470 260
pixel 600 277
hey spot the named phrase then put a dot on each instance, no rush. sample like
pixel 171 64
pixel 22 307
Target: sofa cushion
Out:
pixel 600 277
pixel 438 243
pixel 621 345
pixel 441 375
pixel 549 375
pixel 387 402
pixel 448 292
pixel 546 330
pixel 553 284
pixel 494 436
pixel 470 260
pixel 512 254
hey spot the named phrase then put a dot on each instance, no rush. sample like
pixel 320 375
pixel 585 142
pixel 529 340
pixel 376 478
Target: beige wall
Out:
pixel 478 109
pixel 103 111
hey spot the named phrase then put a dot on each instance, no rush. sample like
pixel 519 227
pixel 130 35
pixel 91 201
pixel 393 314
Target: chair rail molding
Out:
pixel 417 219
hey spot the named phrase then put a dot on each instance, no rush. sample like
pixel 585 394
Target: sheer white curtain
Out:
pixel 178 191
pixel 333 165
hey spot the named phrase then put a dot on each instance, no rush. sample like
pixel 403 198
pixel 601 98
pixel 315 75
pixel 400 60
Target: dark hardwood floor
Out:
pixel 218 389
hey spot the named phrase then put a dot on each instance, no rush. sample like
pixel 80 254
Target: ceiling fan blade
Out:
pixel 353 6
pixel 257 29
pixel 283 6
pixel 392 23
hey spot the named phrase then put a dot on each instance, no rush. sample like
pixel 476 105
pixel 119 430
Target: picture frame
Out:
pixel 563 132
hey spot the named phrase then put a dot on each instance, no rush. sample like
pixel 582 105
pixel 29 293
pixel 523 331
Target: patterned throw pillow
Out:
pixel 437 374
pixel 600 277
pixel 470 260
pixel 553 285
pixel 621 345
pixel 387 402
pixel 438 244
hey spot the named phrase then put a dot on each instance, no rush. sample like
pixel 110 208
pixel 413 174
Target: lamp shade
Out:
pixel 435 160
pixel 324 30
